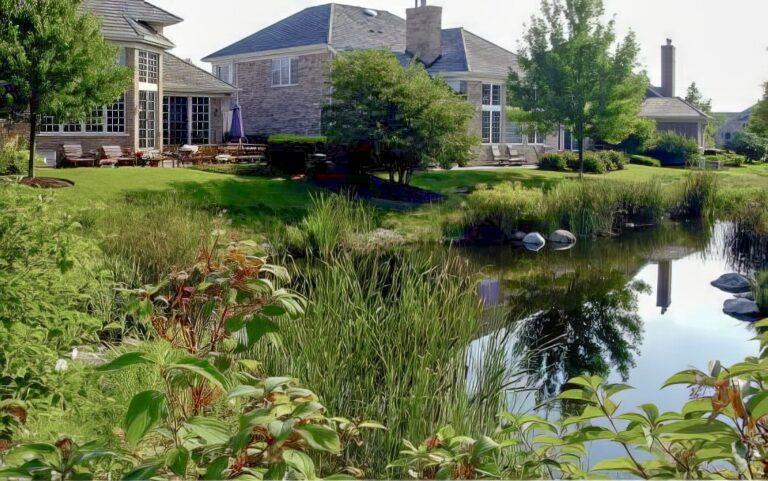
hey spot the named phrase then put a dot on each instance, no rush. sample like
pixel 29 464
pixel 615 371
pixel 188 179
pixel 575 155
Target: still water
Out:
pixel 635 309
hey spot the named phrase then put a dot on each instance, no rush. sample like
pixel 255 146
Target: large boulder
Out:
pixel 741 308
pixel 733 283
pixel 562 237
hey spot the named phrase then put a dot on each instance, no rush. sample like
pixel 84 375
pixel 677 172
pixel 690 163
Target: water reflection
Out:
pixel 601 308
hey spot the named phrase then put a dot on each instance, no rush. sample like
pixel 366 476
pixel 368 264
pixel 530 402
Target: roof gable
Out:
pixel 308 27
pixel 132 20
pixel 671 108
pixel 353 29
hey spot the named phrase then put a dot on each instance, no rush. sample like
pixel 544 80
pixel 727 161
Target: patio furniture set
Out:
pixel 512 156
pixel 72 155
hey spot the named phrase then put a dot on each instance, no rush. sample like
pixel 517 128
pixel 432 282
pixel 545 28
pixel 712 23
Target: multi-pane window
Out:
pixel 176 120
pixel 223 72
pixel 115 116
pixel 95 121
pixel 492 120
pixel 285 71
pixel 201 120
pixel 514 133
pixel 48 123
pixel 110 119
pixel 149 67
pixel 147 119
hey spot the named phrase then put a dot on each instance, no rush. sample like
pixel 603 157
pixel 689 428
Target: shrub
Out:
pixel 13 161
pixel 644 160
pixel 750 145
pixel 614 159
pixel 594 163
pixel 672 148
pixel 296 139
pixel 555 162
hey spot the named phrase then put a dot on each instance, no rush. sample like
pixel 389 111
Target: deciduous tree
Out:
pixel 758 121
pixel 55 61
pixel 575 74
pixel 406 116
pixel 694 97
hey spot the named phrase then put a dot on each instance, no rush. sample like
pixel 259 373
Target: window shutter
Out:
pixel 294 71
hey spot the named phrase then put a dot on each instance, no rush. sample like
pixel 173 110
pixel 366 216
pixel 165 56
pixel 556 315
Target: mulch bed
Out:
pixel 47 183
pixel 374 188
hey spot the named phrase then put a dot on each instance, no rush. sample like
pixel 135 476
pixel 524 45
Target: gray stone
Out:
pixel 534 239
pixel 745 295
pixel 562 237
pixel 741 307
pixel 733 283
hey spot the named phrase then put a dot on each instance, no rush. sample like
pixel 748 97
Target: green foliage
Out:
pixel 730 159
pixel 761 291
pixel 639 140
pixel 296 139
pixel 694 97
pixel 758 120
pixel 12 159
pixel 52 292
pixel 555 162
pixel 55 61
pixel 594 164
pixel 604 98
pixel 509 207
pixel 673 148
pixel 332 223
pixel 750 145
pixel 406 117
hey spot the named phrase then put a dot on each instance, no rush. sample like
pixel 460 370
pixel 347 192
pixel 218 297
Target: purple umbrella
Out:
pixel 237 132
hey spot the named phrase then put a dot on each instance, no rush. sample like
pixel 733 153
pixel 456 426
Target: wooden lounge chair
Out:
pixel 515 157
pixel 115 153
pixel 73 155
pixel 497 155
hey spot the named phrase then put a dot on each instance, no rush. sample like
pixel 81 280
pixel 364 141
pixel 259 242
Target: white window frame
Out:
pixel 284 66
pixel 147 142
pixel 49 127
pixel 148 64
pixel 492 112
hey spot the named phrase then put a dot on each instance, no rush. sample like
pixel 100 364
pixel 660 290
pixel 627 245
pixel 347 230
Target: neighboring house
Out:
pixel 170 101
pixel 671 113
pixel 282 71
pixel 734 123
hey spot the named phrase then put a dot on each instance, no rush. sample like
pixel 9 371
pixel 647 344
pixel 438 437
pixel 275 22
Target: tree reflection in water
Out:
pixel 575 323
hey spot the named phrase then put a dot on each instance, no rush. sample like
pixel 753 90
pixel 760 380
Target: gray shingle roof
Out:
pixel 183 77
pixel 132 20
pixel 670 108
pixel 346 27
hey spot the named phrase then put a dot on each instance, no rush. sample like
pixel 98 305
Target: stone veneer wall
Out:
pixel 294 109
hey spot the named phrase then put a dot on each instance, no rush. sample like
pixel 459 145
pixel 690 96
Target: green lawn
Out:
pixel 250 200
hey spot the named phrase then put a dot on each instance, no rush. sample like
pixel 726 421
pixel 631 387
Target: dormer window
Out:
pixel 149 67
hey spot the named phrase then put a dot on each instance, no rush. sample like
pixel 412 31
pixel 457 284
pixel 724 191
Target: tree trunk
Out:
pixel 32 141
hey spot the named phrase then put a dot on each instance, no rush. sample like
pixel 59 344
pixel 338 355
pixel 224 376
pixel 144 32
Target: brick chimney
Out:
pixel 423 38
pixel 668 69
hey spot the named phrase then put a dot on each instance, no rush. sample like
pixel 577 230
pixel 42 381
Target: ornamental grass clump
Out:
pixel 695 198
pixel 761 291
pixel 509 207
pixel 332 220
pixel 585 208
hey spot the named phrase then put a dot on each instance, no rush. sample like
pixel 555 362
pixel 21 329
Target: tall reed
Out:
pixel 332 220
pixel 386 337
pixel 761 291
pixel 696 197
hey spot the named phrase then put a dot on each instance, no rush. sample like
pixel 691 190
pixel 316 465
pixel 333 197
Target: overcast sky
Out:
pixel 721 45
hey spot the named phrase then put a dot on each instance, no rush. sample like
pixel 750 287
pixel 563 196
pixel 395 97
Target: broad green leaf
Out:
pixel 273 311
pixel 758 405
pixel 301 463
pixel 126 360
pixel 620 464
pixel 204 369
pixel 685 377
pixel 28 452
pixel 212 431
pixel 577 395
pixel 142 473
pixel 244 391
pixel 272 383
pixel 305 410
pixel 320 437
pixel 258 328
pixel 144 413
pixel 613 389
pixel 483 446
pixel 697 406
pixel 177 459
pixel 216 469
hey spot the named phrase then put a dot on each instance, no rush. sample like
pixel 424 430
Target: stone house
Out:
pixel 282 71
pixel 171 101
pixel 671 113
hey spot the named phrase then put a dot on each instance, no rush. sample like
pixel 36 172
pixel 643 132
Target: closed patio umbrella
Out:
pixel 237 132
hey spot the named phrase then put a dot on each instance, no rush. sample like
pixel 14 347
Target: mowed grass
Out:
pixel 246 199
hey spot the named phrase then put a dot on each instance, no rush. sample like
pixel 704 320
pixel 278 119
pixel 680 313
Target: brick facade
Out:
pixel 294 109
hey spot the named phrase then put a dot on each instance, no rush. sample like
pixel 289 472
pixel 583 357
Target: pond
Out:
pixel 636 309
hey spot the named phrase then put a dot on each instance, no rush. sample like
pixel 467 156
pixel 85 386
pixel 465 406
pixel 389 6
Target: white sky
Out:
pixel 720 44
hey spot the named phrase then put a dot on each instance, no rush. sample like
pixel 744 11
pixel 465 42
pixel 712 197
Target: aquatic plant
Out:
pixel 695 198
pixel 761 291
pixel 508 207
pixel 332 220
